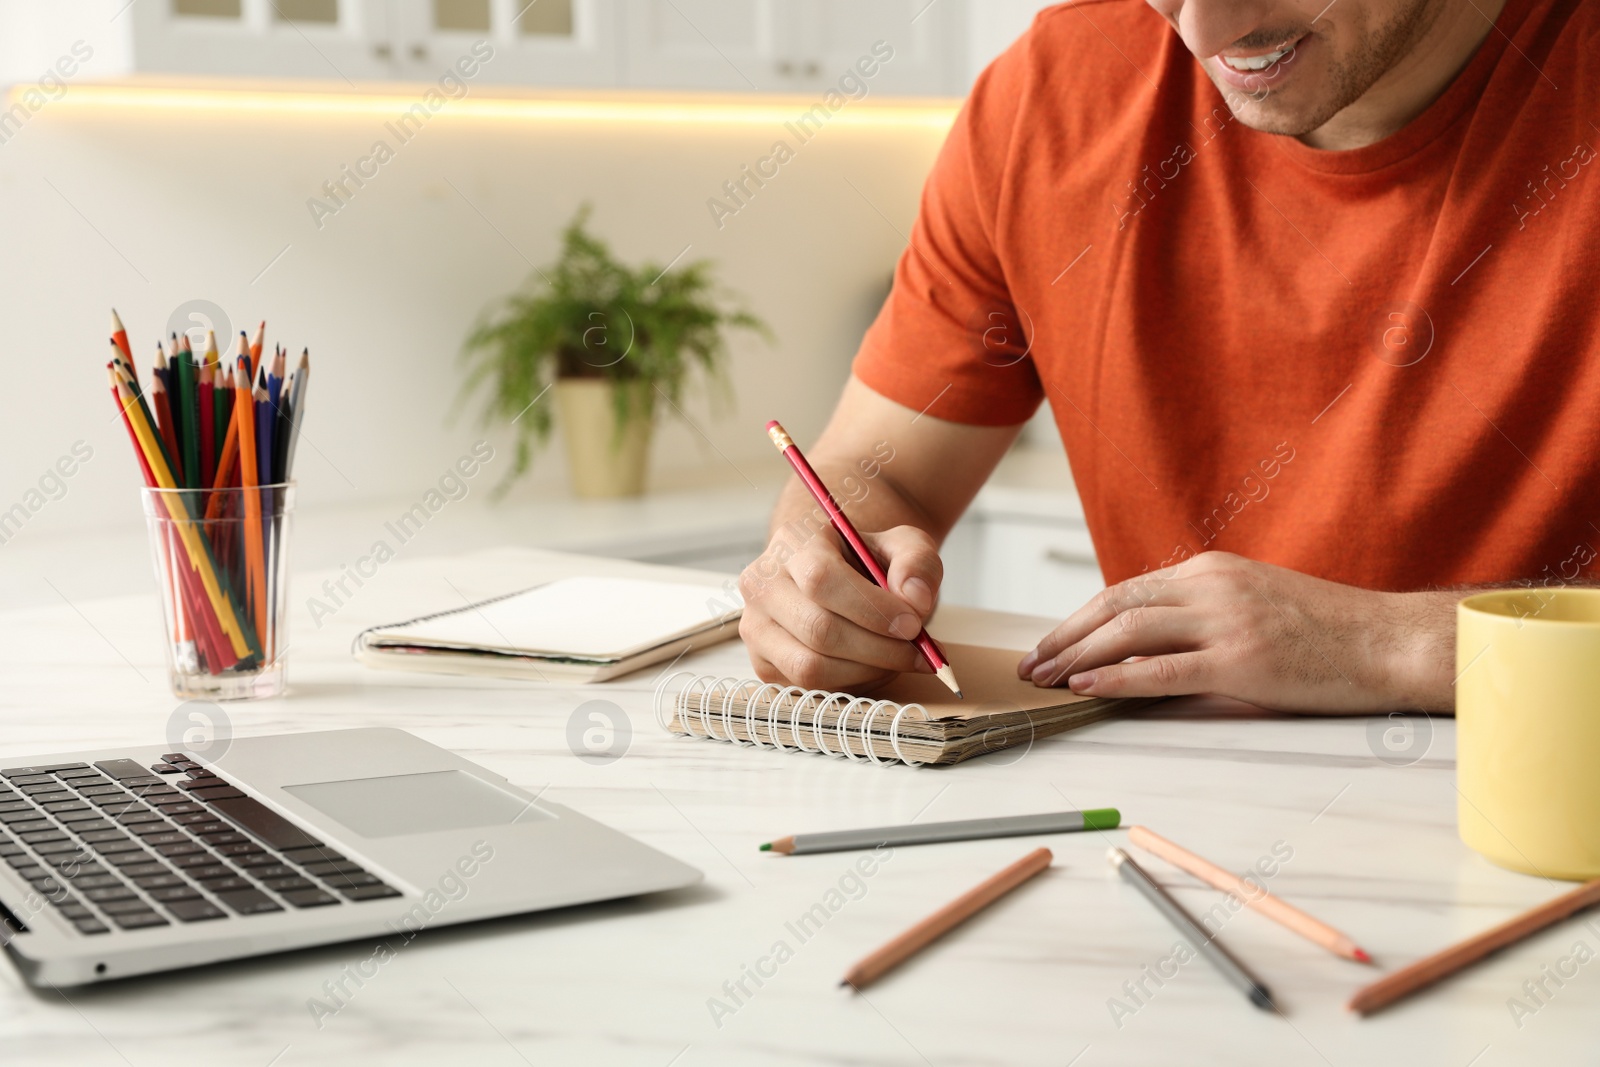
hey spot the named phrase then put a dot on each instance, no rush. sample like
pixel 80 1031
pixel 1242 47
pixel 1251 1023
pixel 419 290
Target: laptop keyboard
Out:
pixel 121 844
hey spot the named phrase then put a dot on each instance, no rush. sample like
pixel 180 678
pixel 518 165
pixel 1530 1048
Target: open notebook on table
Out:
pixel 573 629
pixel 913 719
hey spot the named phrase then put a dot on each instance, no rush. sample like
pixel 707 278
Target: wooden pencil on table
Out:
pixel 1255 896
pixel 1202 940
pixel 1408 980
pixel 875 965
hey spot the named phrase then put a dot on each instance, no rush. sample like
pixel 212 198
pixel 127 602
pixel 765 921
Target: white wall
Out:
pixel 145 211
pixel 992 25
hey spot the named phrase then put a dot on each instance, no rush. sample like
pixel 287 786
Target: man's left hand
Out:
pixel 1220 623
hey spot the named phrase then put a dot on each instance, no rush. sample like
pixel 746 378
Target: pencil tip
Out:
pixel 767 847
pixel 1361 956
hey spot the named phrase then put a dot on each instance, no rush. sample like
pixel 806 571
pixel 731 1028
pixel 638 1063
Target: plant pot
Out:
pixel 603 462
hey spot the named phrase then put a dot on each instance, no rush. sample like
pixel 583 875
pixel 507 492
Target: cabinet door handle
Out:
pixel 785 67
pixel 419 52
pixel 382 51
pixel 1068 558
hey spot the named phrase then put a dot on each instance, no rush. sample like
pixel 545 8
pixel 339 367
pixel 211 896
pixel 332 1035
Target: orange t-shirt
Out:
pixel 1379 366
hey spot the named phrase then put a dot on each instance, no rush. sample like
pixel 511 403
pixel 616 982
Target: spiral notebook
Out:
pixel 913 719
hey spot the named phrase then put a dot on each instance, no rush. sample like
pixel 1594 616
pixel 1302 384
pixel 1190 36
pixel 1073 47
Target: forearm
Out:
pixel 889 466
pixel 864 488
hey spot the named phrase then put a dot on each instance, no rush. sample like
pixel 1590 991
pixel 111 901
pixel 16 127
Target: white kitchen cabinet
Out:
pixel 1035 568
pixel 793 46
pixel 733 45
pixel 830 36
pixel 546 42
pixel 1023 546
pixel 560 42
pixel 331 39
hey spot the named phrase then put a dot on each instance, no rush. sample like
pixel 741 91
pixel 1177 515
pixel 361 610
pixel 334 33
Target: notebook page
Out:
pixel 989 681
pixel 601 618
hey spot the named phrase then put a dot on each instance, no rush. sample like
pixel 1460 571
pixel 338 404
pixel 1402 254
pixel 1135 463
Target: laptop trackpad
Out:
pixel 415 803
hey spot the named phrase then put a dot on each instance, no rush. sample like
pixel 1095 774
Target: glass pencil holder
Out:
pixel 221 559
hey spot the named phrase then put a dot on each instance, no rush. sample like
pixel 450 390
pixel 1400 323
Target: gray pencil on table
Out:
pixel 1188 925
pixel 1055 822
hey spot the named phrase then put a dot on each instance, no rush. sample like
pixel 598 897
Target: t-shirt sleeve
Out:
pixel 948 341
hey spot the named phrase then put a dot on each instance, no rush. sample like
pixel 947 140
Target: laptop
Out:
pixel 129 861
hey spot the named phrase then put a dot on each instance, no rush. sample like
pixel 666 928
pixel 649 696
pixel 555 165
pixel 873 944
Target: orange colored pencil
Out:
pixel 230 442
pixel 1256 896
pixel 1408 980
pixel 119 337
pixel 895 952
pixel 255 554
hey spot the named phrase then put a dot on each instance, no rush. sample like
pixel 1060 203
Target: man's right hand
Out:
pixel 812 620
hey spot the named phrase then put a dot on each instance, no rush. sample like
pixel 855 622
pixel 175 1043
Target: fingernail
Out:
pixel 1081 683
pixel 906 626
pixel 918 595
pixel 1025 668
pixel 1043 673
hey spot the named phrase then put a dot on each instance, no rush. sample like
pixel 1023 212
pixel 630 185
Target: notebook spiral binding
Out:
pixel 710 689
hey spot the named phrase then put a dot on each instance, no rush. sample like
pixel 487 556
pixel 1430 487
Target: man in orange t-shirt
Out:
pixel 1310 289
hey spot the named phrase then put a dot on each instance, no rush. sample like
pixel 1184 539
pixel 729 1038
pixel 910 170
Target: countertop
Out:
pixel 1054 974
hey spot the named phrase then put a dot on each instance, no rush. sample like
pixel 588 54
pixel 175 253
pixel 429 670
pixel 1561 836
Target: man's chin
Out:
pixel 1277 111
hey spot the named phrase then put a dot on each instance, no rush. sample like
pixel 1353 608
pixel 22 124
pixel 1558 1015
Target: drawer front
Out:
pixel 1039 569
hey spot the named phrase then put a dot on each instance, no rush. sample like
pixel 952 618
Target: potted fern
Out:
pixel 609 342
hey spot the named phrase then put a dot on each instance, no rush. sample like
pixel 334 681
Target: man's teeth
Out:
pixel 1256 62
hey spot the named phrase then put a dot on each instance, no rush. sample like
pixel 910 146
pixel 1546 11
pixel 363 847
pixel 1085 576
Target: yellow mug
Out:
pixel 1528 729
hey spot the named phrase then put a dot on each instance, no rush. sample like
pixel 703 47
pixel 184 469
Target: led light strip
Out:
pixel 931 115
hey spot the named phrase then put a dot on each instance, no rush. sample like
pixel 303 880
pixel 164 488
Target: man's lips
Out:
pixel 1268 77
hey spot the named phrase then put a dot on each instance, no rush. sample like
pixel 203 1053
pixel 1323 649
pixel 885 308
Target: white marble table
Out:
pixel 1374 851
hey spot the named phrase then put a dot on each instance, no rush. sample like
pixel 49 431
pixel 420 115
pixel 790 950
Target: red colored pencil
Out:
pixel 162 402
pixel 925 644
pixel 189 598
